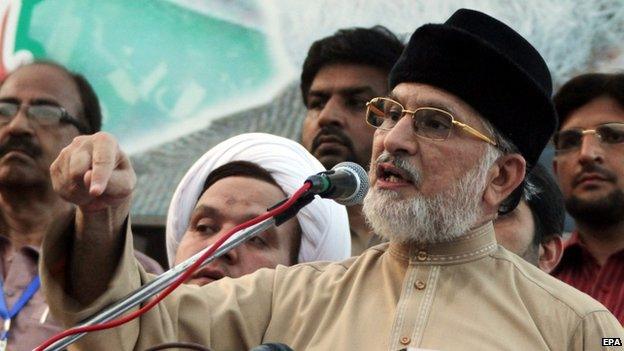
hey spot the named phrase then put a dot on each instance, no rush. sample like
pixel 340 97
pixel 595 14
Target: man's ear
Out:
pixel 505 176
pixel 550 253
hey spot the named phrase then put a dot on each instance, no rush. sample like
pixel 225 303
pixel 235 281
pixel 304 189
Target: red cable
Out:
pixel 192 268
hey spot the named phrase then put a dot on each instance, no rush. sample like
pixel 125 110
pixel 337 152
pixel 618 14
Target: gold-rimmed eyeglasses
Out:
pixel 571 139
pixel 427 122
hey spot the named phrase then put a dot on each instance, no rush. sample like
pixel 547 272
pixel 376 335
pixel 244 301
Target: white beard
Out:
pixel 442 217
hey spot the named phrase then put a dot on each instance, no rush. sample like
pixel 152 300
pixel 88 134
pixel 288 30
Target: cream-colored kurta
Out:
pixel 465 295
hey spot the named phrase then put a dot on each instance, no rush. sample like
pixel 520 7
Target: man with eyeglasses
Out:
pixel 516 230
pixel 469 109
pixel 43 107
pixel 589 165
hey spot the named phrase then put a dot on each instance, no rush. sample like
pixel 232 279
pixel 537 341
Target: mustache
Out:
pixel 401 163
pixel 22 144
pixel 594 168
pixel 333 132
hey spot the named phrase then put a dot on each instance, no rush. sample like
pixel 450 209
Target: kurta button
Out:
pixel 405 340
pixel 420 285
pixel 422 255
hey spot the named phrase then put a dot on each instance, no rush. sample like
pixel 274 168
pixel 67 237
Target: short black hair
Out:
pixel 91 110
pixel 90 102
pixel 376 46
pixel 582 89
pixel 88 98
pixel 240 169
pixel 545 200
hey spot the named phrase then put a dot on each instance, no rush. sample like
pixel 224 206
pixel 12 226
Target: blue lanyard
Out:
pixel 30 291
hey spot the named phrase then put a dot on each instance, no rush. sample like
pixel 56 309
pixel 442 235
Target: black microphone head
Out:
pixel 357 197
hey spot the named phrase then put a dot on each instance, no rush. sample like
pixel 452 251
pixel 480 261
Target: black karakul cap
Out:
pixel 492 68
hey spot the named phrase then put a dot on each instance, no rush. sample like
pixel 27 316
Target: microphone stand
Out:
pixel 164 280
pixel 161 282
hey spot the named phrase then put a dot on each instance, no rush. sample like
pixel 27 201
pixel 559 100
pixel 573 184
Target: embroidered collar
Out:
pixel 475 244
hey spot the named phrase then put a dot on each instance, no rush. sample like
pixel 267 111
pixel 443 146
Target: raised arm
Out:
pixel 90 266
pixel 94 174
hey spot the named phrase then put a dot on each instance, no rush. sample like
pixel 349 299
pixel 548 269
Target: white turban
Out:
pixel 324 224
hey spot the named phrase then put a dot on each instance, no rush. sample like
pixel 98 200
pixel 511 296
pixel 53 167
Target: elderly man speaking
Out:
pixel 469 110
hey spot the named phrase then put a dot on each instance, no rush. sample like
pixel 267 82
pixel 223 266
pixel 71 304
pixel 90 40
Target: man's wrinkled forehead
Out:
pixel 44 82
pixel 218 214
pixel 603 110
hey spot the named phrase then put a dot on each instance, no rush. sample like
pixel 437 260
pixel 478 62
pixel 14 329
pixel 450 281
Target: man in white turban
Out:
pixel 239 179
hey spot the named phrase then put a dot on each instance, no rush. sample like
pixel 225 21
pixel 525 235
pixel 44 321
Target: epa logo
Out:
pixel 611 342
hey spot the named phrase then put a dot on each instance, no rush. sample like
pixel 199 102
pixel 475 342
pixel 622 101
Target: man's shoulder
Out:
pixel 328 270
pixel 535 284
pixel 149 264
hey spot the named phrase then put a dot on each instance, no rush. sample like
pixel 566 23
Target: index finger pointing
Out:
pixel 103 163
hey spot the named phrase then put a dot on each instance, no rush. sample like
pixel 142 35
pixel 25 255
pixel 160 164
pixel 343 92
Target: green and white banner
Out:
pixel 160 68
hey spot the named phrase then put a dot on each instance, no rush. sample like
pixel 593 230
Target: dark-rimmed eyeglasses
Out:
pixel 427 122
pixel 44 115
pixel 572 139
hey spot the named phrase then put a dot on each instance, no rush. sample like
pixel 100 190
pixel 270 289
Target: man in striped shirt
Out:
pixel 589 165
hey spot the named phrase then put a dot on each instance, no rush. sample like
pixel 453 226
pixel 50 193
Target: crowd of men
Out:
pixel 459 244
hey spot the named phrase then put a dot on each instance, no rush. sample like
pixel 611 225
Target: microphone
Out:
pixel 346 183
